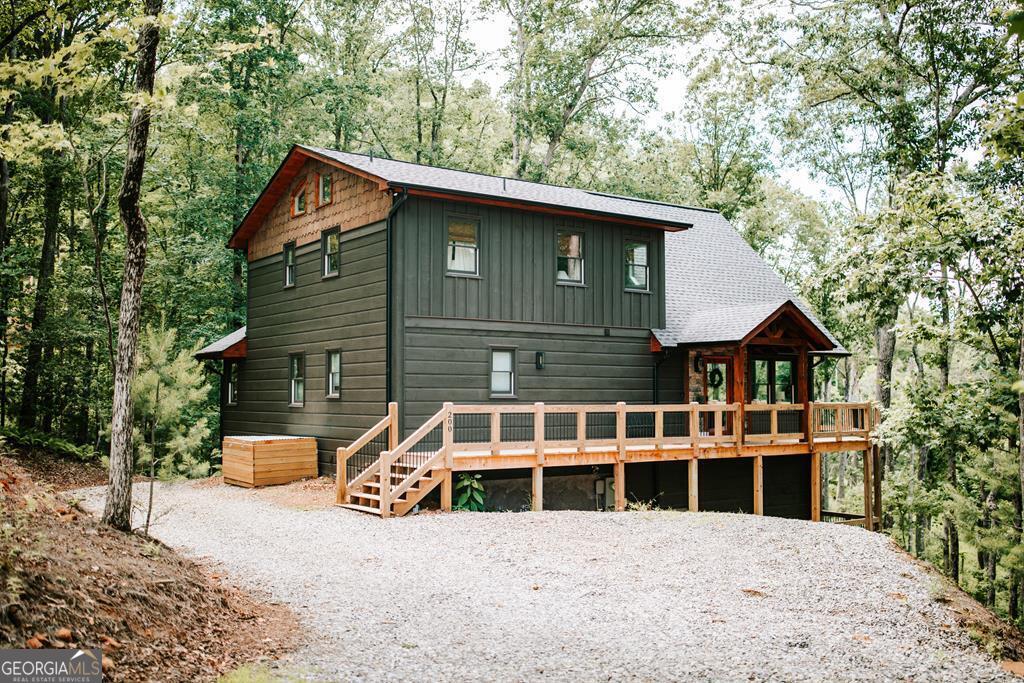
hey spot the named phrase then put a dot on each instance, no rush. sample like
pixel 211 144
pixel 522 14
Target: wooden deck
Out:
pixel 536 436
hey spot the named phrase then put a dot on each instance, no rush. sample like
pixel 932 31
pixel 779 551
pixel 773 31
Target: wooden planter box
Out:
pixel 264 460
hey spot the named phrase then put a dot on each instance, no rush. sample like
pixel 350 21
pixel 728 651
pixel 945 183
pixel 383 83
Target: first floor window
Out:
pixel 289 264
pixel 324 191
pixel 334 374
pixel 637 266
pixel 772 380
pixel 330 246
pixel 231 378
pixel 570 257
pixel 503 374
pixel 463 247
pixel 297 379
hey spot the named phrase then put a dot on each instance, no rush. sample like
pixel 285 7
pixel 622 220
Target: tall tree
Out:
pixel 118 510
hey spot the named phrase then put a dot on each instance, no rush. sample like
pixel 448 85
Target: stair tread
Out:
pixel 361 508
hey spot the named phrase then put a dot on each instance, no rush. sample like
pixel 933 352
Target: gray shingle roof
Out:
pixel 718 288
pixel 214 349
pixel 403 173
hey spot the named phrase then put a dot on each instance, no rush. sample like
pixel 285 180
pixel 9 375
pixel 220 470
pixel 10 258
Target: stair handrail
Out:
pixel 388 458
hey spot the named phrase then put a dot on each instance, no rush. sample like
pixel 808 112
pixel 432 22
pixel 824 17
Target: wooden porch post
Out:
pixel 815 486
pixel 868 490
pixel 341 477
pixel 691 481
pixel 537 491
pixel 758 485
pixel 803 373
pixel 620 486
pixel 393 426
pixel 446 491
pixel 739 389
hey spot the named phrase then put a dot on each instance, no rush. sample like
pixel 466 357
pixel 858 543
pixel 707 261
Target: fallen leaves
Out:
pixel 754 593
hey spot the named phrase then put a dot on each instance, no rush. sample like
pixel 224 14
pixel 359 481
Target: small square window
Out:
pixel 333 374
pixel 570 257
pixel 297 379
pixel 299 201
pixel 503 372
pixel 289 264
pixel 324 189
pixel 637 269
pixel 231 380
pixel 463 247
pixel 330 247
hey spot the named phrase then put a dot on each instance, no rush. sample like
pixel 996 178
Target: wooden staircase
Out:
pixel 411 469
pixel 366 496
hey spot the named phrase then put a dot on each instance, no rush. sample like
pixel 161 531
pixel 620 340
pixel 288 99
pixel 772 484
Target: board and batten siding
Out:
pixel 346 312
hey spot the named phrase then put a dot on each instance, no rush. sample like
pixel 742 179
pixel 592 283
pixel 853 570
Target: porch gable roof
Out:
pixel 233 345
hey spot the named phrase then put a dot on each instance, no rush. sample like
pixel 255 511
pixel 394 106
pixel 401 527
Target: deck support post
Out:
pixel 758 485
pixel 341 496
pixel 537 491
pixel 691 482
pixel 620 486
pixel 448 434
pixel 815 485
pixel 446 491
pixel 869 487
pixel 620 429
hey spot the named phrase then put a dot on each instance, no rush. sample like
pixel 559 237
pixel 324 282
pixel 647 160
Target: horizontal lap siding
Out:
pixel 345 312
pixel 726 485
pixel 445 364
pixel 787 486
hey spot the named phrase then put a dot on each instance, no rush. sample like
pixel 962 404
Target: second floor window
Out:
pixel 637 269
pixel 324 189
pixel 289 264
pixel 330 247
pixel 296 379
pixel 463 246
pixel 299 202
pixel 334 374
pixel 570 257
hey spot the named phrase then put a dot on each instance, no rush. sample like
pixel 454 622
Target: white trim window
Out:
pixel 296 379
pixel 637 269
pixel 334 373
pixel 330 246
pixel 324 191
pixel 463 246
pixel 503 372
pixel 289 264
pixel 570 257
pixel 231 380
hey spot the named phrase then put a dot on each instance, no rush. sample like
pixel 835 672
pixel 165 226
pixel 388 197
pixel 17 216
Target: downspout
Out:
pixel 396 202
pixel 658 360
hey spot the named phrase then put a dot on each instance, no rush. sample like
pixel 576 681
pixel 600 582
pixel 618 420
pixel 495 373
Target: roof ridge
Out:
pixel 596 193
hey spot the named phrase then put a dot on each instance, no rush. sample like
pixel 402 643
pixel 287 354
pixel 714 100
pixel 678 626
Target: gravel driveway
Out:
pixel 578 596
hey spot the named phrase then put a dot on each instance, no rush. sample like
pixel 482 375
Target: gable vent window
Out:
pixel 297 379
pixel 334 374
pixel 570 257
pixel 463 246
pixel 289 264
pixel 324 188
pixel 330 247
pixel 503 373
pixel 637 269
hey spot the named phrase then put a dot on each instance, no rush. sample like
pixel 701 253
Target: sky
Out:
pixel 491 32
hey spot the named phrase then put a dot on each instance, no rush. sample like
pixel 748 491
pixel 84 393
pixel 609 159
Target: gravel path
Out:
pixel 578 596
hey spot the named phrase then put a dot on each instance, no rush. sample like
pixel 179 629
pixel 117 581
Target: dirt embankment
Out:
pixel 68 581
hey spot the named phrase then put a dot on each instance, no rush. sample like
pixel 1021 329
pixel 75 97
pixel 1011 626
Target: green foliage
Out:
pixel 40 441
pixel 469 492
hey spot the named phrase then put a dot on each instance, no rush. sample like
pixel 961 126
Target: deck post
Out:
pixel 868 490
pixel 758 485
pixel 620 431
pixel 385 484
pixel 341 477
pixel 739 375
pixel 815 486
pixel 448 434
pixel 694 427
pixel 446 491
pixel 691 483
pixel 803 387
pixel 393 427
pixel 620 486
pixel 537 491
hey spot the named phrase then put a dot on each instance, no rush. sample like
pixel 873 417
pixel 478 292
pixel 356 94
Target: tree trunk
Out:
pixel 5 240
pixel 118 511
pixel 952 535
pixel 885 349
pixel 53 183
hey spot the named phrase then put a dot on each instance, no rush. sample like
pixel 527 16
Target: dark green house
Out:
pixel 373 281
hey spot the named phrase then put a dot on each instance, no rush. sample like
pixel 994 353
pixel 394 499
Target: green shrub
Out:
pixel 38 441
pixel 470 493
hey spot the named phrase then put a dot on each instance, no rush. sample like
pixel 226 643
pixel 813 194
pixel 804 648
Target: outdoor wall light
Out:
pixel 540 360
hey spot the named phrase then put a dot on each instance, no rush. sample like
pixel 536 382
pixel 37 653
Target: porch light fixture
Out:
pixel 539 360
